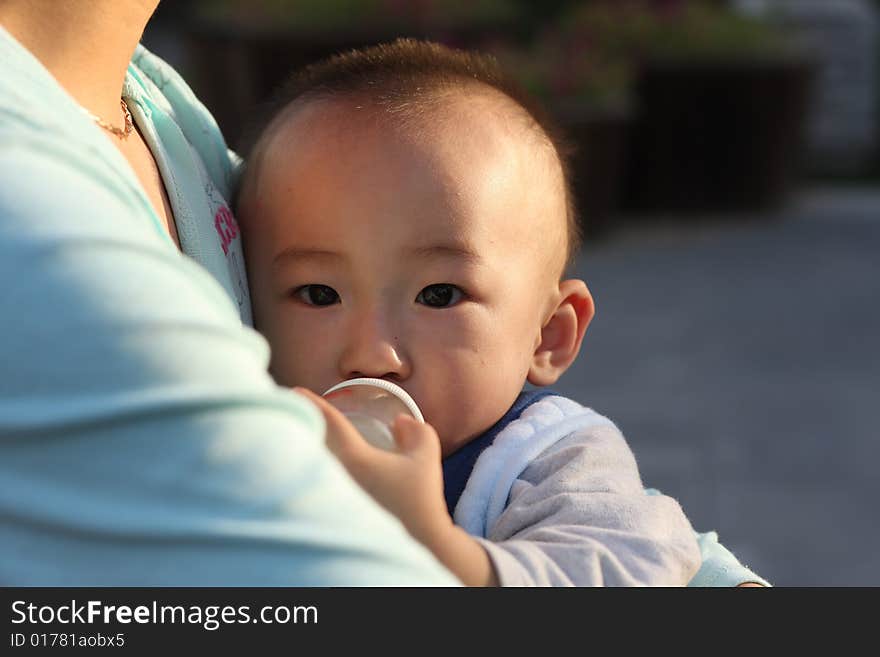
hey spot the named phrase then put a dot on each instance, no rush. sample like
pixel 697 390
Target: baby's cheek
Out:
pixel 279 367
pixel 283 352
pixel 477 408
pixel 293 365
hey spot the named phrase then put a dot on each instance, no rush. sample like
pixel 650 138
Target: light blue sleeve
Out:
pixel 142 441
pixel 719 565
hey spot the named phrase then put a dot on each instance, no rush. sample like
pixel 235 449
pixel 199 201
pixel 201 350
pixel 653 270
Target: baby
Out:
pixel 407 215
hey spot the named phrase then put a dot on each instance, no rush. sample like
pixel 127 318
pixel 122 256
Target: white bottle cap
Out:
pixel 393 388
pixel 371 405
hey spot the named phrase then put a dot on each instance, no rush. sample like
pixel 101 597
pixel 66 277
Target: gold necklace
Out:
pixel 122 133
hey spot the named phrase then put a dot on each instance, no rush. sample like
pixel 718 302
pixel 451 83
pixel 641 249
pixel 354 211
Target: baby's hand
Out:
pixel 407 482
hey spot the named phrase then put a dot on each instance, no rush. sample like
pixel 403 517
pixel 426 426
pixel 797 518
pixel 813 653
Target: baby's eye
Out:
pixel 316 295
pixel 440 295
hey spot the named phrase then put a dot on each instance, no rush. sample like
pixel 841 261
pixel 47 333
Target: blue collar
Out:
pixel 457 466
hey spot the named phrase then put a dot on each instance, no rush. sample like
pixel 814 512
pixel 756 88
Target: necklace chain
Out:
pixel 122 133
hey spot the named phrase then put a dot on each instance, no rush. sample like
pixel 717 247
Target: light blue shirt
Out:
pixel 142 441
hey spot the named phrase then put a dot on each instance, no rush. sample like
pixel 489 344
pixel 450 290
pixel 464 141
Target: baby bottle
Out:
pixel 371 406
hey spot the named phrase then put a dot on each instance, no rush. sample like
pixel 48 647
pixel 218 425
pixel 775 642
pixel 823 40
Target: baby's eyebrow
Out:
pixel 299 253
pixel 457 251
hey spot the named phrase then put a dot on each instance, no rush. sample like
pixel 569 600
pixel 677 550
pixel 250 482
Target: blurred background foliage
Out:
pixel 592 51
pixel 355 15
pixel 586 50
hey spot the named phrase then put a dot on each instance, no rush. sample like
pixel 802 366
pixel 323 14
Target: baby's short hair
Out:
pixel 405 78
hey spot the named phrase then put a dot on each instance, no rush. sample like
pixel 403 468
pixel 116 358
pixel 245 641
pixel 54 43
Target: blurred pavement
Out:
pixel 740 358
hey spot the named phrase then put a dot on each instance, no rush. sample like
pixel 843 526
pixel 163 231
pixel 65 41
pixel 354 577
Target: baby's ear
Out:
pixel 563 333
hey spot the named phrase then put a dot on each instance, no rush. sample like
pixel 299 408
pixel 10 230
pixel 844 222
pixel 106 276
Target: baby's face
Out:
pixel 430 261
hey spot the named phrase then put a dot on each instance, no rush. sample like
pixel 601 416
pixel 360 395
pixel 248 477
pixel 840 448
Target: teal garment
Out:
pixel 142 441
pixel 197 168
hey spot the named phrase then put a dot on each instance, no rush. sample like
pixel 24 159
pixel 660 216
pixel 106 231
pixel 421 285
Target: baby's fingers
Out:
pixel 416 439
pixel 342 438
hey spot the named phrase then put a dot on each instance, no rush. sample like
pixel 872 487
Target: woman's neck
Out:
pixel 85 44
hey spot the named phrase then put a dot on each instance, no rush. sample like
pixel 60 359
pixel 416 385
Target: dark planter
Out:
pixel 599 138
pixel 717 136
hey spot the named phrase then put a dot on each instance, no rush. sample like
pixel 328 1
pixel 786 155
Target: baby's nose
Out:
pixel 373 352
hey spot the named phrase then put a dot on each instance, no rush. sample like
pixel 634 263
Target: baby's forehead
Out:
pixel 445 113
pixel 473 143
pixel 465 123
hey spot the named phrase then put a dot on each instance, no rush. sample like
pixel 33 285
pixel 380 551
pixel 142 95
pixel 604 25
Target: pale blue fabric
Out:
pixel 557 429
pixel 142 441
pixel 720 567
pixel 197 169
pixel 556 500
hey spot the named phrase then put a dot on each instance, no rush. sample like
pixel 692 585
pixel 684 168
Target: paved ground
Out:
pixel 740 358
